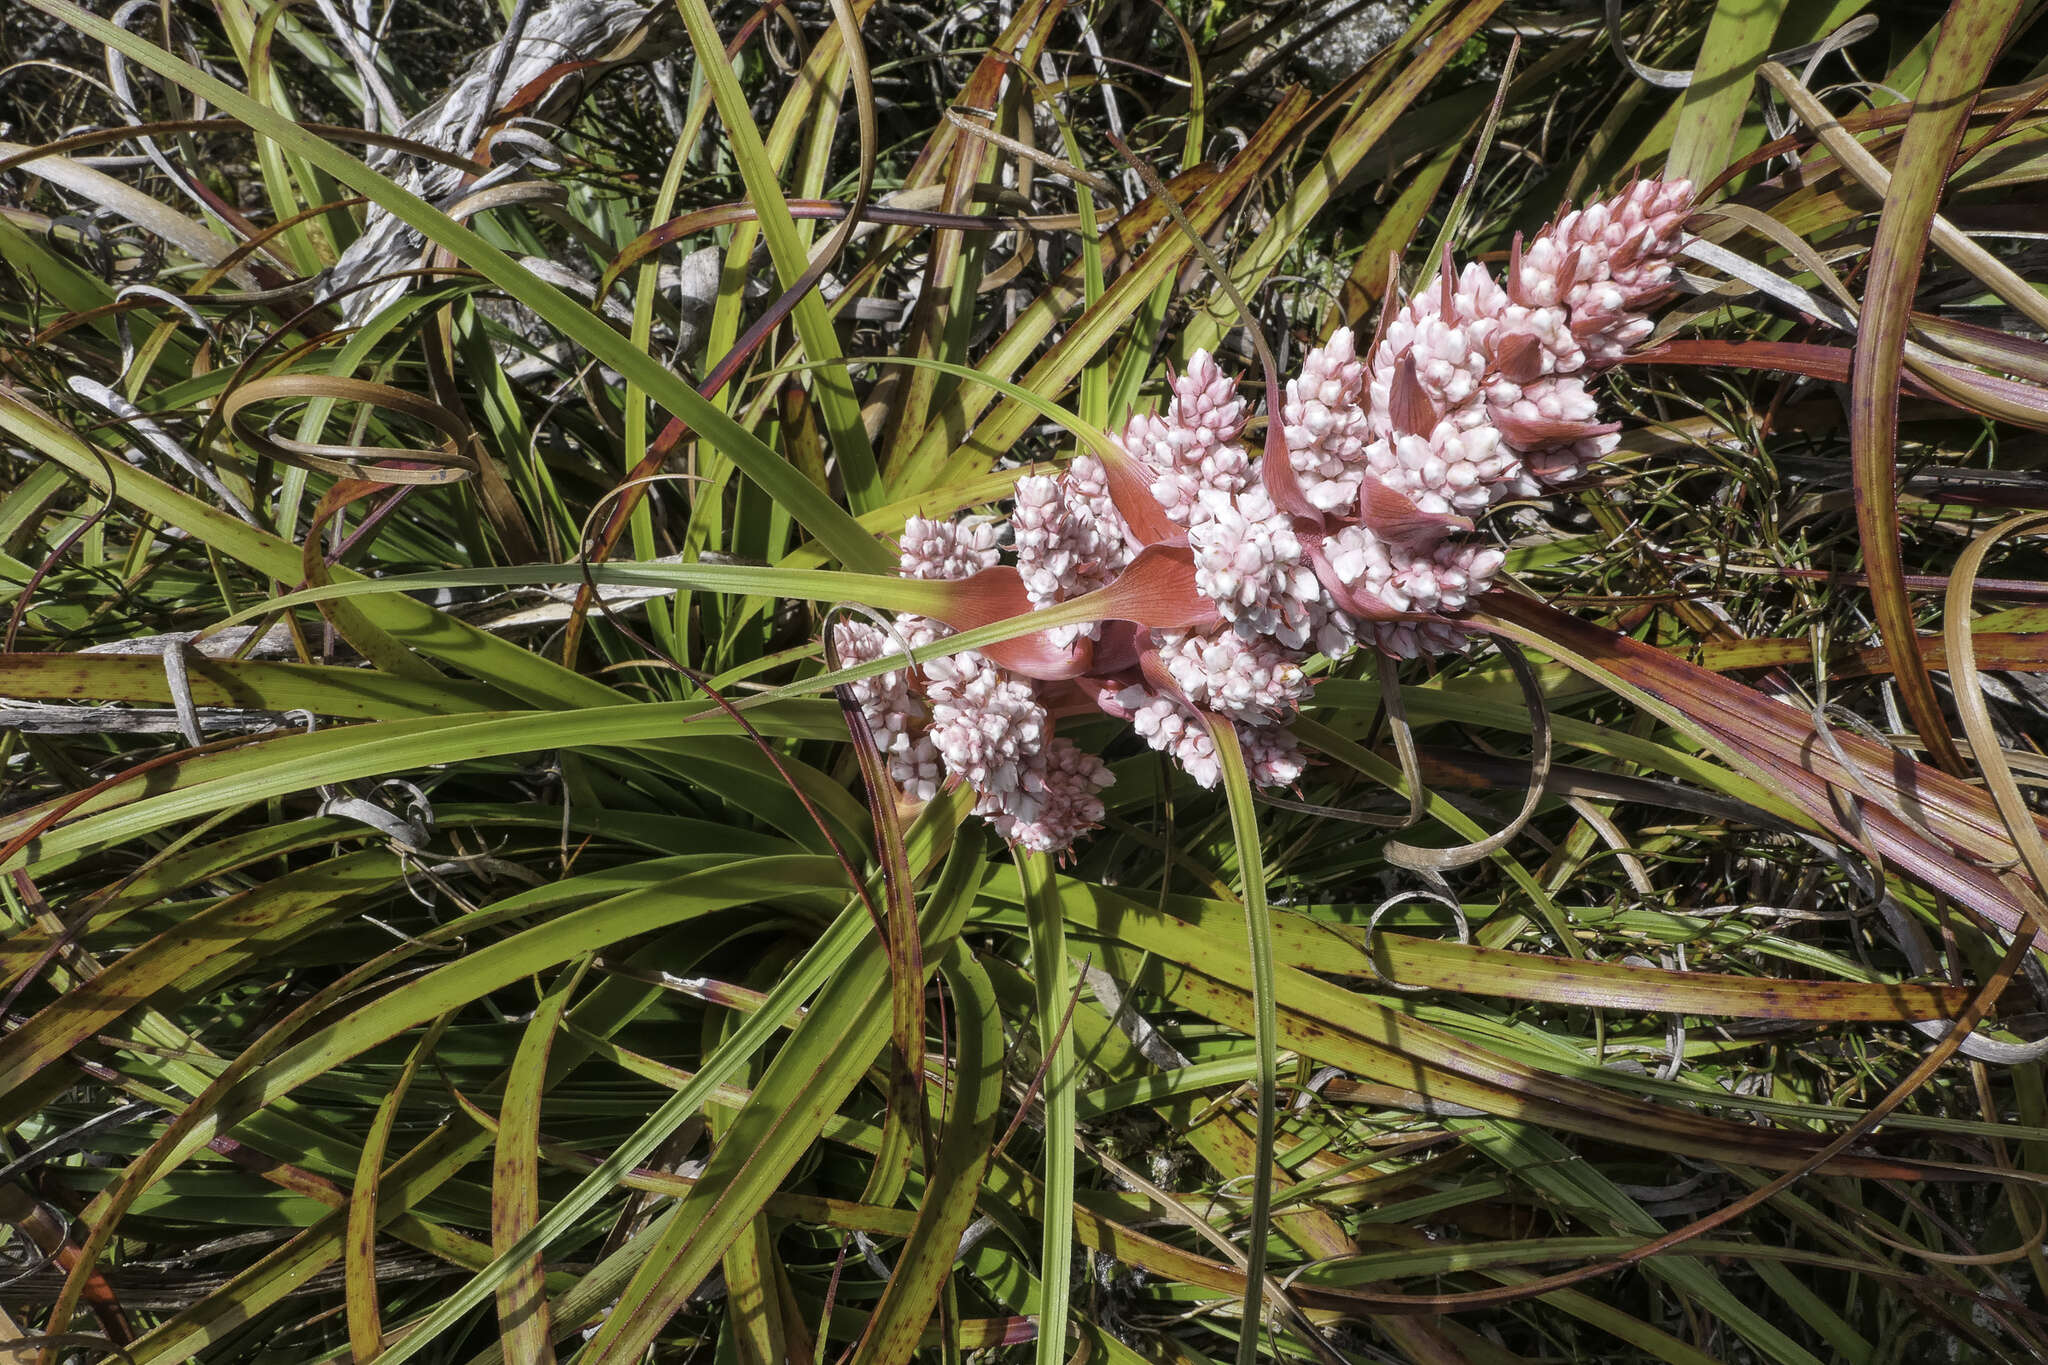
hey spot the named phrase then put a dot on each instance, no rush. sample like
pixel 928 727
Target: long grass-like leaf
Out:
pixel 1969 42
pixel 826 519
pixel 1049 968
pixel 805 1083
pixel 964 1144
pixel 1244 827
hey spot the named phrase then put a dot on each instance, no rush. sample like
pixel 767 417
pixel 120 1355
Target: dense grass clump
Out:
pixel 466 899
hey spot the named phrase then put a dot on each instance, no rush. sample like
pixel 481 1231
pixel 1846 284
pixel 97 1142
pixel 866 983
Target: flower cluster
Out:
pixel 1218 572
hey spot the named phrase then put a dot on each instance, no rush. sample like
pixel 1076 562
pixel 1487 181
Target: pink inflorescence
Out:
pixel 1352 528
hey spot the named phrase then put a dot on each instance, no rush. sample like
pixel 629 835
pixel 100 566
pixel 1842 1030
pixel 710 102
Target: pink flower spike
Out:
pixel 895 718
pixel 1169 726
pixel 1192 446
pixel 1608 262
pixel 1249 562
pixel 1067 806
pixel 1431 362
pixel 1272 755
pixel 1206 575
pixel 1421 639
pixel 1249 678
pixel 1205 399
pixel 988 728
pixel 1069 538
pixel 1325 429
pixel 948 549
pixel 1442 578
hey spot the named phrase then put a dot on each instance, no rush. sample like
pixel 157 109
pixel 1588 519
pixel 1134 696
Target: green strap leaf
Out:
pixel 926 1260
pixel 822 517
pixel 1049 969
pixel 1251 871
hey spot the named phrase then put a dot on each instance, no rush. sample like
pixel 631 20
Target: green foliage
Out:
pixel 472 937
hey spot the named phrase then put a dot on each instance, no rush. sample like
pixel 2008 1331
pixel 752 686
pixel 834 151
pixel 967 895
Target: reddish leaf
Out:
pixel 998 595
pixel 1780 745
pixel 1158 591
pixel 1363 605
pixel 1131 491
pixel 1395 519
pixel 1408 405
pixel 1532 433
